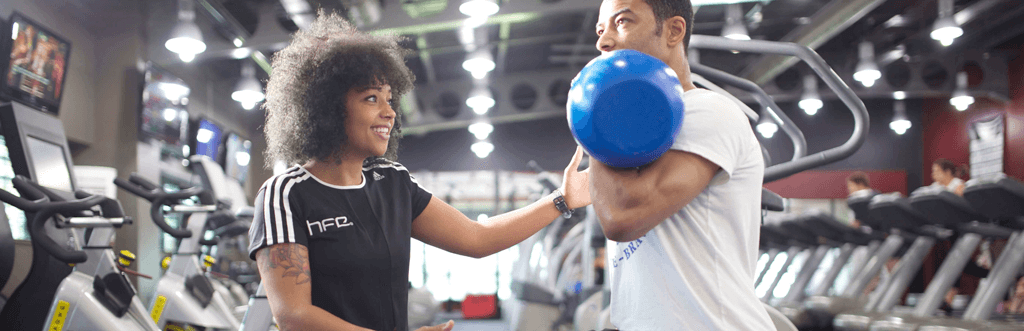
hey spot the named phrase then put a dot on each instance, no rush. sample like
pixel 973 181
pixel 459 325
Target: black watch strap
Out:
pixel 561 206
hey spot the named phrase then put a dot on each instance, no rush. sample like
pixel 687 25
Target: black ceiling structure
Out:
pixel 539 45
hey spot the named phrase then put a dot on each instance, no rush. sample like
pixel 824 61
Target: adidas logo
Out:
pixel 377 176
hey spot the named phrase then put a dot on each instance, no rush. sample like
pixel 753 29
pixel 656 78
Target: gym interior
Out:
pixel 889 129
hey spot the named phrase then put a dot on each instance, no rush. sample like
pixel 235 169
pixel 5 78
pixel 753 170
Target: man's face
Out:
pixel 629 24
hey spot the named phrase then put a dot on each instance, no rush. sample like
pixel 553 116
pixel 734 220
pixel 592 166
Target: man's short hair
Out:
pixel 859 178
pixel 665 9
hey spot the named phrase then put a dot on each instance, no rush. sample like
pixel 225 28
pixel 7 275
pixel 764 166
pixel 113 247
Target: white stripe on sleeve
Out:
pixel 288 207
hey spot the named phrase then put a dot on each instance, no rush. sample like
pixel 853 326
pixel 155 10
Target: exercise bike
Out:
pixel 97 294
pixel 185 296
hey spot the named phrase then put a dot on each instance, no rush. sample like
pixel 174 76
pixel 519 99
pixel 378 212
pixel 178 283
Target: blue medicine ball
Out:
pixel 625 108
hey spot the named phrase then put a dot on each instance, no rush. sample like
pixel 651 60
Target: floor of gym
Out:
pixel 474 325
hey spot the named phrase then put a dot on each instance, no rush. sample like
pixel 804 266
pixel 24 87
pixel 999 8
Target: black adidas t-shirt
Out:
pixel 357 237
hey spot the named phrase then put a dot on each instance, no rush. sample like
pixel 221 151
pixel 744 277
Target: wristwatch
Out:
pixel 561 206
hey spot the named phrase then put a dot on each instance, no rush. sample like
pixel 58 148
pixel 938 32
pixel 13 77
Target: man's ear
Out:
pixel 675 28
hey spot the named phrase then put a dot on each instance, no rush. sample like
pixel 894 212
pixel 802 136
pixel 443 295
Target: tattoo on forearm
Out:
pixel 293 258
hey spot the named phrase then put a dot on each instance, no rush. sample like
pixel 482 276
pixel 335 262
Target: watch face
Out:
pixel 562 207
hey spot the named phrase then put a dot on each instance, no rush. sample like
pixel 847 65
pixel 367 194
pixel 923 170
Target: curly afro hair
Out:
pixel 305 103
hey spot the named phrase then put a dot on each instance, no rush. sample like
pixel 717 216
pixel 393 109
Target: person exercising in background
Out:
pixel 857 181
pixel 331 235
pixel 947 175
pixel 688 223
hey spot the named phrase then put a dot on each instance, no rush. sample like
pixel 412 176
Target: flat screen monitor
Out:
pixel 50 166
pixel 38 65
pixel 208 137
pixel 37 147
pixel 236 156
pixel 164 116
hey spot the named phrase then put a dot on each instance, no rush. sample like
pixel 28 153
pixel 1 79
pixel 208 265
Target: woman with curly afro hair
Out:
pixel 331 235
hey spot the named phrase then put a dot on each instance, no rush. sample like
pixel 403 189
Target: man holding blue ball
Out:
pixel 686 225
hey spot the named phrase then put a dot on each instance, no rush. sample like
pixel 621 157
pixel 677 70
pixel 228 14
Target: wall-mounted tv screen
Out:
pixel 236 156
pixel 207 138
pixel 39 60
pixel 164 116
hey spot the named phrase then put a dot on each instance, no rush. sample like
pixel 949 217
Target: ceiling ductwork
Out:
pixel 233 20
pixel 362 13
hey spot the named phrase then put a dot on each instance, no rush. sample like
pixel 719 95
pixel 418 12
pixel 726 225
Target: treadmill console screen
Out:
pixel 50 166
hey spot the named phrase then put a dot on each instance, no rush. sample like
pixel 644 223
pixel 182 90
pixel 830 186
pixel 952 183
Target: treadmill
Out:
pixel 805 225
pixel 1001 199
pixel 769 243
pixel 821 310
pixel 847 239
pixel 952 211
pixel 911 225
pixel 799 244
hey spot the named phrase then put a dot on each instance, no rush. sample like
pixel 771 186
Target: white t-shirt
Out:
pixel 953 184
pixel 696 270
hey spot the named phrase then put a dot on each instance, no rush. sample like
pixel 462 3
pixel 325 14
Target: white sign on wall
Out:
pixel 987 141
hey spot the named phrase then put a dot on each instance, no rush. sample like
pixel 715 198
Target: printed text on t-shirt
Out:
pixel 321 226
pixel 627 250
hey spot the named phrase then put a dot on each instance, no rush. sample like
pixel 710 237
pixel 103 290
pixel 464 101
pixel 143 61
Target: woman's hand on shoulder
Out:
pixel 440 327
pixel 576 184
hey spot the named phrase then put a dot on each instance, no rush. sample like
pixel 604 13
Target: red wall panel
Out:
pixel 818 184
pixel 1014 160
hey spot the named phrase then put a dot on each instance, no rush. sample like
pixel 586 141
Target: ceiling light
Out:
pixel 479 63
pixel 899 95
pixel 735 32
pixel 186 40
pixel 481 130
pixel 170 114
pixel 240 53
pixel 237 42
pixel 961 99
pixel 734 27
pixel 482 149
pixel 767 127
pixel 475 21
pixel 242 158
pixel 480 100
pixel 900 124
pixel 467 37
pixel 248 90
pixel 173 91
pixel 810 101
pixel 867 70
pixel 479 7
pixel 945 29
pixel 204 135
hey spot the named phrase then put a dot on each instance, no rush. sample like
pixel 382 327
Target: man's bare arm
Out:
pixel 630 202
